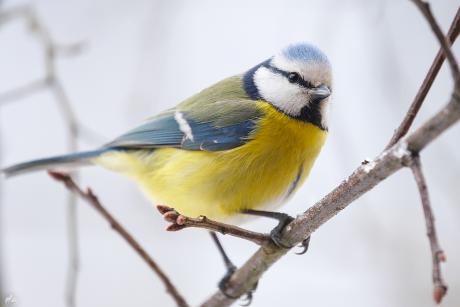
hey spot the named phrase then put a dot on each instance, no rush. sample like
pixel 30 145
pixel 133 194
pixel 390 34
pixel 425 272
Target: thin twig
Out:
pixel 438 256
pixel 426 85
pixel 445 44
pixel 92 200
pixel 179 221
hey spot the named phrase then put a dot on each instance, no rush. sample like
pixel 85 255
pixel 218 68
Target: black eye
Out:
pixel 293 77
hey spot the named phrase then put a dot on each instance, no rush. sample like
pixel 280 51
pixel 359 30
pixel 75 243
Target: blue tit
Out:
pixel 243 144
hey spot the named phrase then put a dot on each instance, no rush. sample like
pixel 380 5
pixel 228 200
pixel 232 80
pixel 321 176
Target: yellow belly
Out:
pixel 219 184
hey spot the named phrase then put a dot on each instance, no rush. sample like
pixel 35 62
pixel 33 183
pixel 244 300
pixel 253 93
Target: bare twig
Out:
pixel 179 221
pixel 92 200
pixel 445 44
pixel 426 85
pixel 438 256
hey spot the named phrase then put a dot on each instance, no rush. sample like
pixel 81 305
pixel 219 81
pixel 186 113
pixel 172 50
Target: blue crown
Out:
pixel 304 52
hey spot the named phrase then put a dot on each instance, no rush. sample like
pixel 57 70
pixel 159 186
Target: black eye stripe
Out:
pixel 286 74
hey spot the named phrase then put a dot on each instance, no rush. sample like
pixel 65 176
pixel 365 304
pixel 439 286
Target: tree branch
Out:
pixel 403 128
pixel 438 256
pixel 179 222
pixel 92 200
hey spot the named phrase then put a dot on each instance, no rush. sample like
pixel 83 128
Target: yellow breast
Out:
pixel 263 172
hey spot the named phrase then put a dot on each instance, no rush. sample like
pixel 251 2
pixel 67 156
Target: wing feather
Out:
pixel 203 122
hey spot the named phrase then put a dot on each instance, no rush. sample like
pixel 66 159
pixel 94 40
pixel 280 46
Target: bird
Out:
pixel 239 147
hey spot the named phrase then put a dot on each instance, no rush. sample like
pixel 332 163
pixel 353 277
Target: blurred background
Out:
pixel 141 57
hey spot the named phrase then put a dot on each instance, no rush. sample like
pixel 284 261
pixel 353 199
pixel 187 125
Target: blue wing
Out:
pixel 178 129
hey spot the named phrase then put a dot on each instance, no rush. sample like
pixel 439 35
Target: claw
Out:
pixel 304 245
pixel 247 299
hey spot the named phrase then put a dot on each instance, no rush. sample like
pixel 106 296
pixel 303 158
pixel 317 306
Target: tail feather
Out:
pixel 70 160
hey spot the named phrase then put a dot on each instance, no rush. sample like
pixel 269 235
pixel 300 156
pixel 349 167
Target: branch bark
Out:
pixel 92 200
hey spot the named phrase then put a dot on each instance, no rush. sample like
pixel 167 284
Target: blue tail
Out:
pixel 70 160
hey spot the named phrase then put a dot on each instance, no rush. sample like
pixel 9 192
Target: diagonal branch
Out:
pixel 92 200
pixel 438 256
pixel 426 85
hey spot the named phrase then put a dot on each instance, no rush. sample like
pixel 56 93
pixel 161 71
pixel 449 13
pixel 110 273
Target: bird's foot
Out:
pixel 223 283
pixel 275 235
pixel 176 219
pixel 284 219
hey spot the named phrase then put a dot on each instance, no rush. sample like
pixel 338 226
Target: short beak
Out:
pixel 319 93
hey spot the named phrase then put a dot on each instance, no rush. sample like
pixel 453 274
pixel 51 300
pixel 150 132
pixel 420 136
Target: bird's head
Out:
pixel 296 81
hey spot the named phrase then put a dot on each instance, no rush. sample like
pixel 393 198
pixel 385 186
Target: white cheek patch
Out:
pixel 183 125
pixel 275 88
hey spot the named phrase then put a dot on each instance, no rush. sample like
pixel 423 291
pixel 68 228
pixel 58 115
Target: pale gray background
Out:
pixel 145 56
